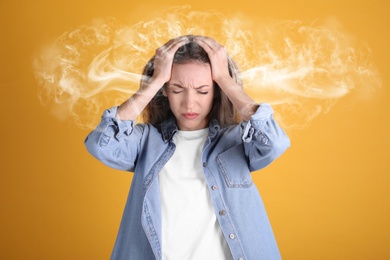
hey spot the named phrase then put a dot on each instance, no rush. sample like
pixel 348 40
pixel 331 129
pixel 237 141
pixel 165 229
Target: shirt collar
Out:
pixel 169 127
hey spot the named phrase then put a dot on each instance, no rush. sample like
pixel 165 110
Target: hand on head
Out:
pixel 163 58
pixel 217 55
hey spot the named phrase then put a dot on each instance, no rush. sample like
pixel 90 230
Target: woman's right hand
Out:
pixel 163 59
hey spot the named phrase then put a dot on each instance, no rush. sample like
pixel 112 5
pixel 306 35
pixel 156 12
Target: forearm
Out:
pixel 132 108
pixel 243 103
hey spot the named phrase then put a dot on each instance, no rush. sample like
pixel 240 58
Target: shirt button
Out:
pixel 222 212
pixel 231 236
pixel 204 164
pixel 214 187
pixel 240 258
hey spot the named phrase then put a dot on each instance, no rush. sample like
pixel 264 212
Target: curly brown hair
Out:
pixel 158 109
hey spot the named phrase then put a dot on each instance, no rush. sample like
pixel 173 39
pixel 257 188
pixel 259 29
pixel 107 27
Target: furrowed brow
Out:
pixel 176 85
pixel 203 86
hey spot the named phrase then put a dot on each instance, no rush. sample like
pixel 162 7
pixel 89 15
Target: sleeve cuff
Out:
pixel 124 127
pixel 255 126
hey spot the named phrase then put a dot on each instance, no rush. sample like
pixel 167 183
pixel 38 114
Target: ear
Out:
pixel 164 92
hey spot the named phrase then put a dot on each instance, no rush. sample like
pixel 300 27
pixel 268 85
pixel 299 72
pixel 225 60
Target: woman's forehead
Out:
pixel 194 72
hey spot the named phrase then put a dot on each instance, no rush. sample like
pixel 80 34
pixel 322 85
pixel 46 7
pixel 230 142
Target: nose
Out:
pixel 190 99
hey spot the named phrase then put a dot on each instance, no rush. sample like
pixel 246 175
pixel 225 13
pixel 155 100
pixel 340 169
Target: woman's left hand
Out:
pixel 218 58
pixel 243 103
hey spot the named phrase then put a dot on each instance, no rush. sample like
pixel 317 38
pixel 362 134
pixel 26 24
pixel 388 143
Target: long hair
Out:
pixel 158 109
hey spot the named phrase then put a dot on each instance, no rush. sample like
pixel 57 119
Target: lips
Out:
pixel 190 115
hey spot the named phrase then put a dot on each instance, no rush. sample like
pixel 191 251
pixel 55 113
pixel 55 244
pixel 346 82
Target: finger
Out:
pixel 212 43
pixel 205 46
pixel 177 44
pixel 174 44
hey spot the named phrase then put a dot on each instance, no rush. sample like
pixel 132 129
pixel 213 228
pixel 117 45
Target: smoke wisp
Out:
pixel 302 70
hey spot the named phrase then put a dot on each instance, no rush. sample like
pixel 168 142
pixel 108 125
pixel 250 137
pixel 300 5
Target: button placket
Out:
pixel 222 214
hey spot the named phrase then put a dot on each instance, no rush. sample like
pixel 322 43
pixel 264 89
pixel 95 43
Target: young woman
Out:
pixel 192 195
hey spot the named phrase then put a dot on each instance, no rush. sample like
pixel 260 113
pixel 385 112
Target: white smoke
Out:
pixel 300 69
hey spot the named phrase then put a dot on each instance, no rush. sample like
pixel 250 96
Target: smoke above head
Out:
pixel 302 70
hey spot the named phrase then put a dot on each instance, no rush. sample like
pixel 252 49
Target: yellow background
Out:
pixel 328 197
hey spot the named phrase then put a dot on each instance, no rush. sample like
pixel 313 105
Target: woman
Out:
pixel 192 196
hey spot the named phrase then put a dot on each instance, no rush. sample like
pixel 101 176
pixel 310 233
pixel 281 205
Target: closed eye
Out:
pixel 204 90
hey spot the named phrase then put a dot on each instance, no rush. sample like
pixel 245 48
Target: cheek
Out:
pixel 173 101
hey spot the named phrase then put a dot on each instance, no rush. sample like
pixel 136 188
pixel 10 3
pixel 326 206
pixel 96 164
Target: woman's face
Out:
pixel 190 92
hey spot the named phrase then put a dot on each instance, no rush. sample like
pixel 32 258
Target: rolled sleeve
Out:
pixel 115 142
pixel 256 126
pixel 264 139
pixel 121 128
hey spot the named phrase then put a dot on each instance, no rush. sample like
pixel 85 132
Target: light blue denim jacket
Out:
pixel 229 155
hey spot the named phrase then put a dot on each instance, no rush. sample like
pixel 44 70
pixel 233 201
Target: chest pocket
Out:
pixel 234 167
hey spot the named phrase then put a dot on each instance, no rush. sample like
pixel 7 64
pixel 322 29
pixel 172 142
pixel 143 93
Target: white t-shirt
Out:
pixel 190 230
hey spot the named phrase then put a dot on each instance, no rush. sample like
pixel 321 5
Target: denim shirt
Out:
pixel 229 156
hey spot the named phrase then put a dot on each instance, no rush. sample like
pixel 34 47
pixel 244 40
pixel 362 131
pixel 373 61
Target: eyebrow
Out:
pixel 180 86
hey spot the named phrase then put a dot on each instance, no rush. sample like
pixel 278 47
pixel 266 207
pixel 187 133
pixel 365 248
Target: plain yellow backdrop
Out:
pixel 327 198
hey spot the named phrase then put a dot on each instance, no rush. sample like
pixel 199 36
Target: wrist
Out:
pixel 156 82
pixel 226 82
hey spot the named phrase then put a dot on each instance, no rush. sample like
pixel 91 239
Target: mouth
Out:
pixel 190 115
